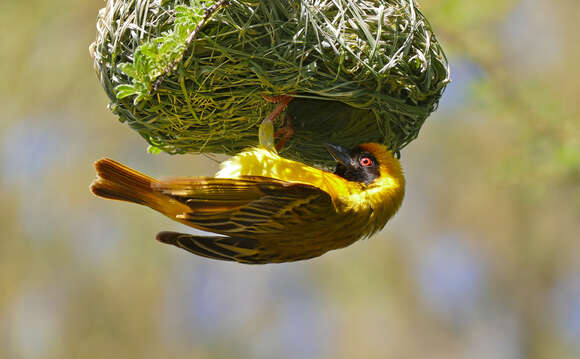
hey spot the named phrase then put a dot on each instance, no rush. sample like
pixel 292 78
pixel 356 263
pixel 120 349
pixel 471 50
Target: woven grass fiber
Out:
pixel 189 79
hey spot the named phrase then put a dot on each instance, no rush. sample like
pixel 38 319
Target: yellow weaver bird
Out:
pixel 264 208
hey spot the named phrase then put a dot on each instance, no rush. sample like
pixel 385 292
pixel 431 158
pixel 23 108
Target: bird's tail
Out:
pixel 119 182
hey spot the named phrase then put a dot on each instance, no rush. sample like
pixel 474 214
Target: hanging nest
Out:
pixel 189 75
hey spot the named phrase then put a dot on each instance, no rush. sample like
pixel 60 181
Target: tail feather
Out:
pixel 119 182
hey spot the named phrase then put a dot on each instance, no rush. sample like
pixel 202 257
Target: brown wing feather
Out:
pixel 237 249
pixel 248 206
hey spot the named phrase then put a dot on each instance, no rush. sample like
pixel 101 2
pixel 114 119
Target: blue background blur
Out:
pixel 482 261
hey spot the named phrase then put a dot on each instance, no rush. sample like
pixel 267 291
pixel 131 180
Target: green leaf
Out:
pixel 126 91
pixel 128 69
pixel 153 58
pixel 154 150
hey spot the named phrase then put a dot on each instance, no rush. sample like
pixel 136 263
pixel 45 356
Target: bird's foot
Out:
pixel 285 133
pixel 266 131
pixel 282 102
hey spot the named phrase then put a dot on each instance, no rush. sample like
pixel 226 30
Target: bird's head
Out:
pixel 366 163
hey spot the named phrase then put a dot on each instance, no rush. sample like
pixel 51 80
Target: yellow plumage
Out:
pixel 270 209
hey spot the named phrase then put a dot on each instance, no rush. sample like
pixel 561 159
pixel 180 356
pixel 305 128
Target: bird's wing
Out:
pixel 236 249
pixel 250 206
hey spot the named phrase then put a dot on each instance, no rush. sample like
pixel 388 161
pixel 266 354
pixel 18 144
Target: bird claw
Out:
pixel 266 133
pixel 278 99
pixel 285 134
pixel 282 102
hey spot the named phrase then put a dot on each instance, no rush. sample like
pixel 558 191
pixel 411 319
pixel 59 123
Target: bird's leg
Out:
pixel 282 102
pixel 266 133
pixel 285 133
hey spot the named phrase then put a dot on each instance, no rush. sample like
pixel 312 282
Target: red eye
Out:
pixel 365 161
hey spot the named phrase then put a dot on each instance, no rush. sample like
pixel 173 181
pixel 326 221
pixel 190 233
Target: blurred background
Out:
pixel 482 261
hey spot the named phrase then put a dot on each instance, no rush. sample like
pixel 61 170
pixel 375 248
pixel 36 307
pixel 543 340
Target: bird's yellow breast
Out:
pixel 379 199
pixel 266 163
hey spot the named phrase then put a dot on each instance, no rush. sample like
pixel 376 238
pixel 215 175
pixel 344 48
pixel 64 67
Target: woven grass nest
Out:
pixel 190 76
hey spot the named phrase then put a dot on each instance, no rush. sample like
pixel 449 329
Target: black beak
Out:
pixel 339 153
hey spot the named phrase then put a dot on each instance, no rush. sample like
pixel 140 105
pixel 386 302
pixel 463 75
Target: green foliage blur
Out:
pixel 482 261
